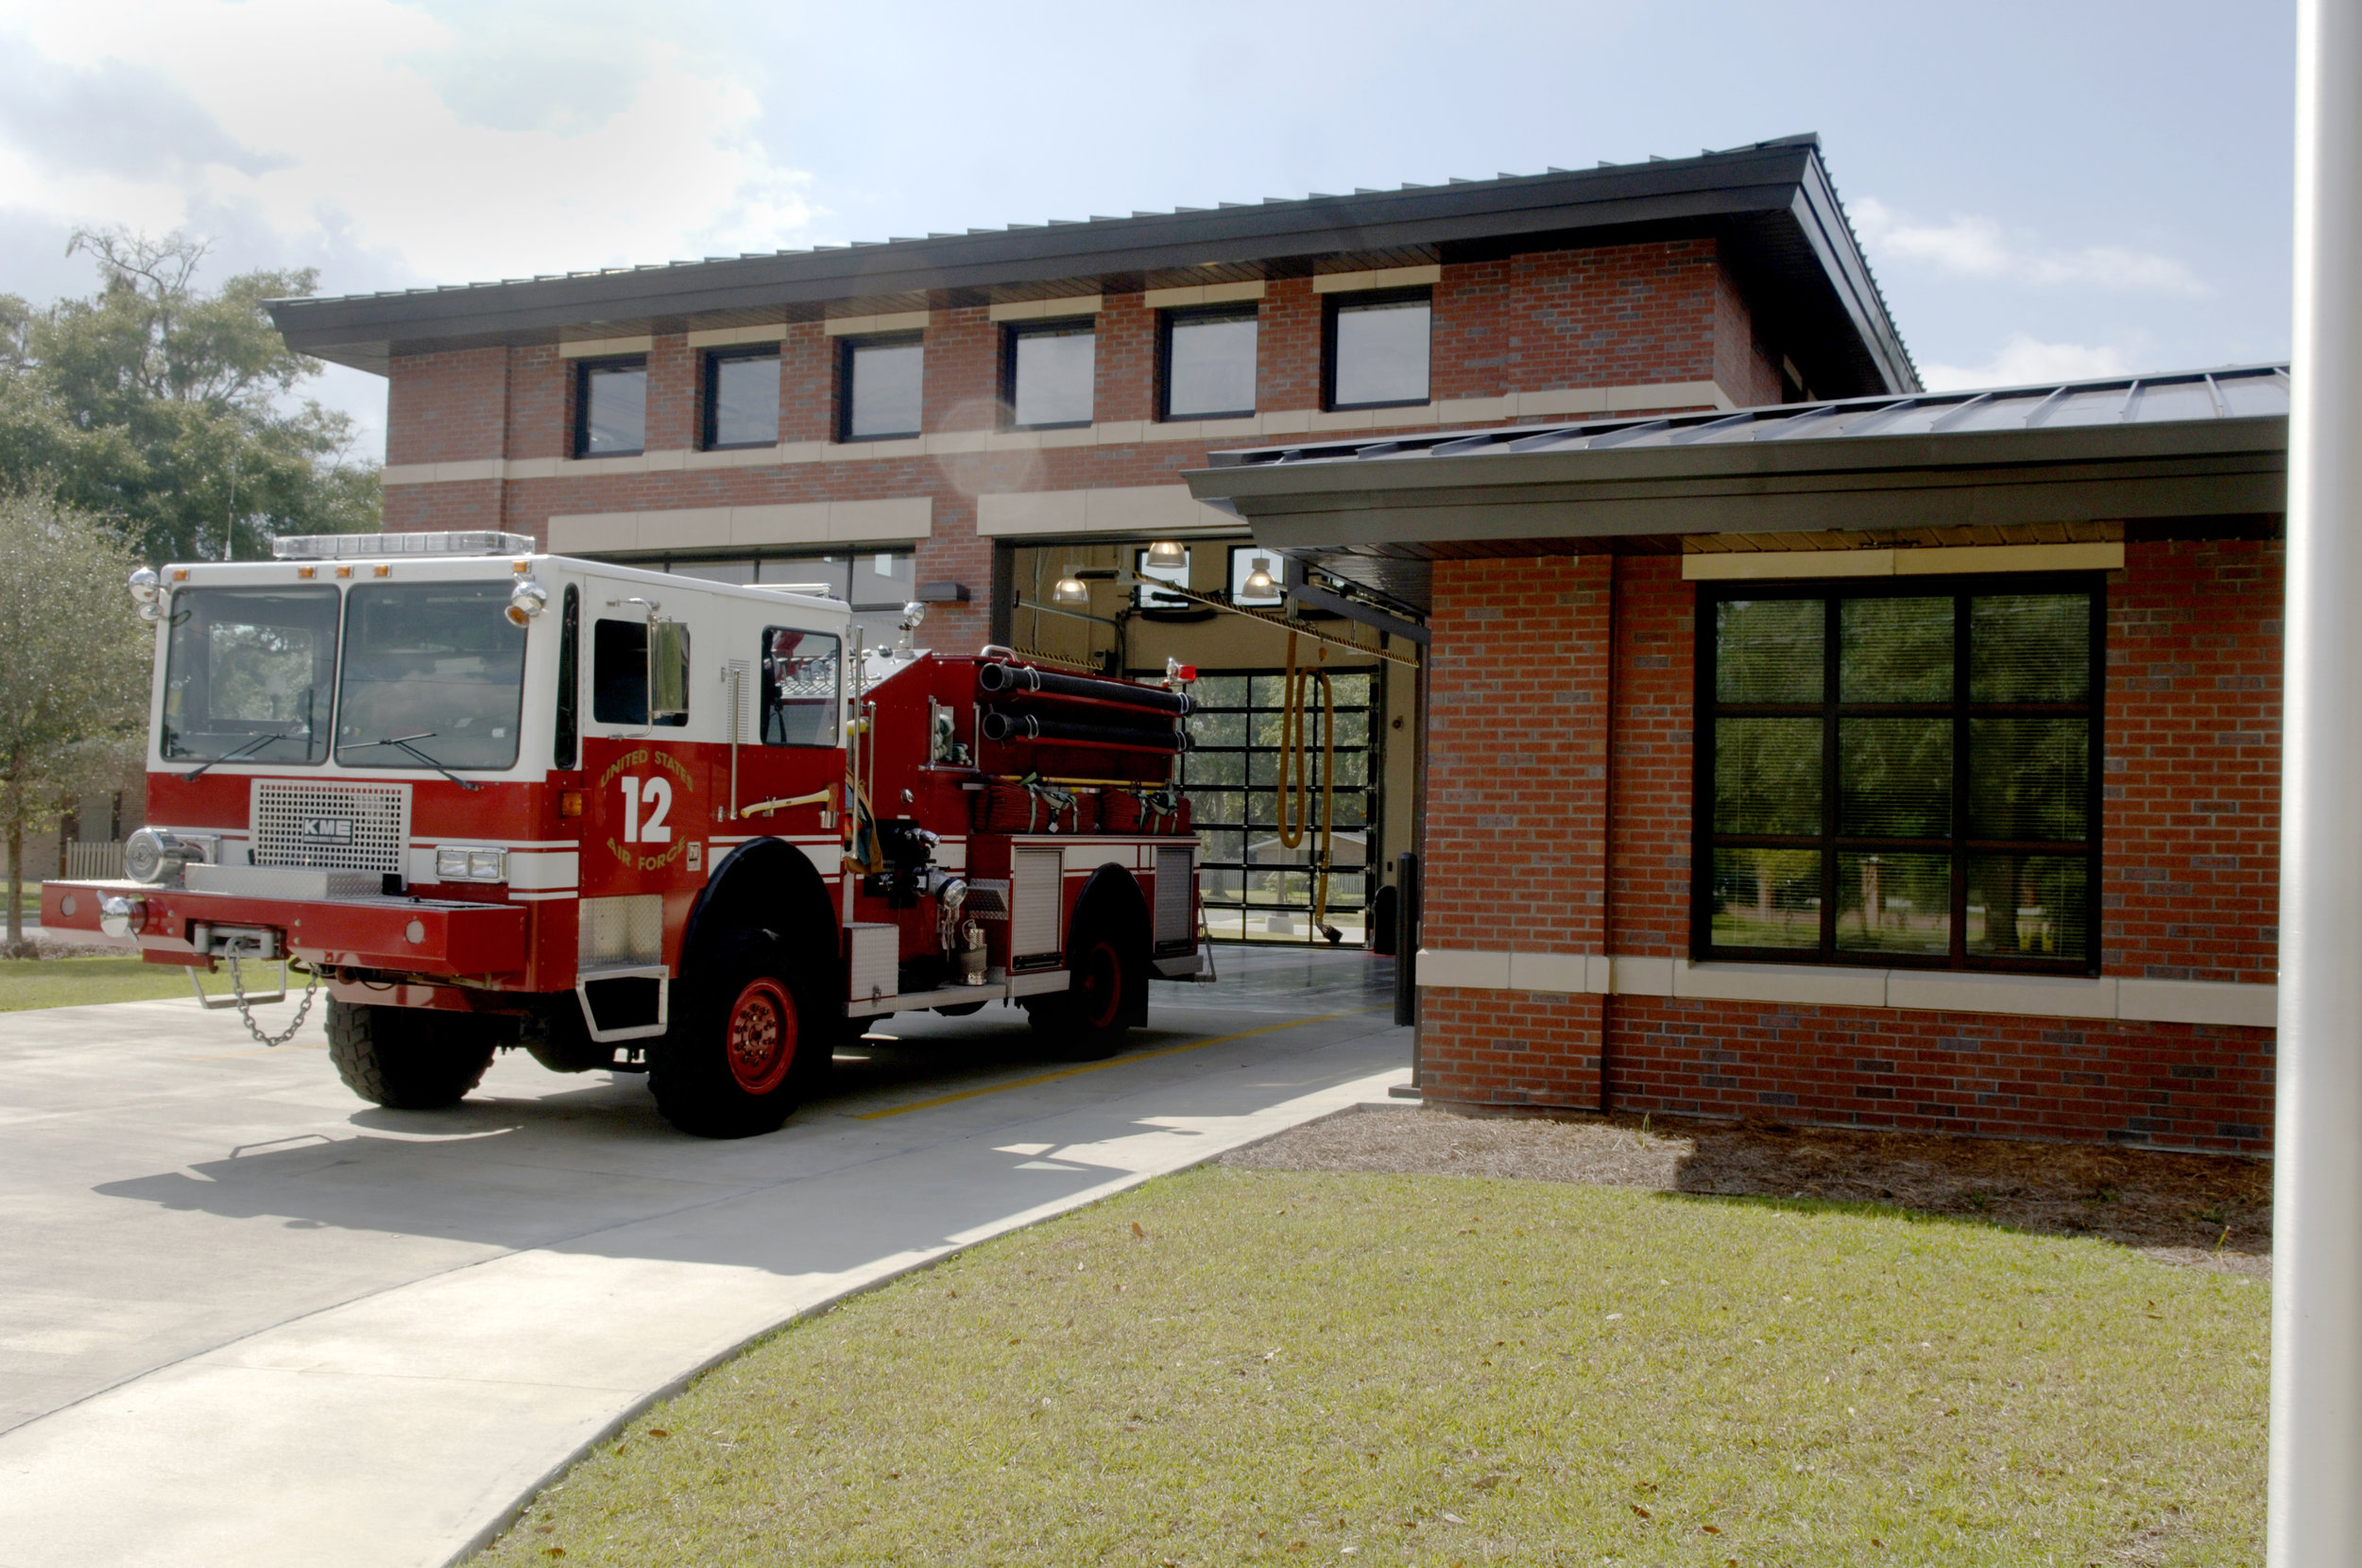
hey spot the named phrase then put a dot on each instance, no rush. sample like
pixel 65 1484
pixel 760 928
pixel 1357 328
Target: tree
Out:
pixel 167 407
pixel 70 708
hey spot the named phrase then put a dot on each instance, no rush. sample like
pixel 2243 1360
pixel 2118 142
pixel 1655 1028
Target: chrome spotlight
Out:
pixel 525 601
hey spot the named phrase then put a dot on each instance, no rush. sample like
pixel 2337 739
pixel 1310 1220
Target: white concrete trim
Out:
pixel 1159 509
pixel 1377 278
pixel 1045 309
pixel 474 469
pixel 891 321
pixel 599 348
pixel 1562 401
pixel 1753 565
pixel 1202 294
pixel 718 337
pixel 2134 1000
pixel 893 520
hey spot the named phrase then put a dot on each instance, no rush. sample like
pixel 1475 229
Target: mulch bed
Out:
pixel 2209 1211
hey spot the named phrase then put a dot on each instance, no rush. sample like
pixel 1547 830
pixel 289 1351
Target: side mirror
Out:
pixel 668 670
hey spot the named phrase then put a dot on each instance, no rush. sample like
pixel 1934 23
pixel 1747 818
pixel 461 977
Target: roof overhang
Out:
pixel 1772 204
pixel 1370 519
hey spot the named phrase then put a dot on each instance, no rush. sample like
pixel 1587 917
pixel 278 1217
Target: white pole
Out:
pixel 2316 1487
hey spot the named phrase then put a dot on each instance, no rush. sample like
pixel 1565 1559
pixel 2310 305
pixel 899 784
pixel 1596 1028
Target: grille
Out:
pixel 629 929
pixel 1172 898
pixel 331 827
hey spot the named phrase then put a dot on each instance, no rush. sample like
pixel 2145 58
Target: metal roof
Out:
pixel 2186 453
pixel 2258 391
pixel 1771 203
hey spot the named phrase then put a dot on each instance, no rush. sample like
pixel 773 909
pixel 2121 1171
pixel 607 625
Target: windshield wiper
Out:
pixel 404 741
pixel 241 753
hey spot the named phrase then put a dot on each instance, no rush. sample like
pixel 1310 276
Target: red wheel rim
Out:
pixel 1099 985
pixel 759 1042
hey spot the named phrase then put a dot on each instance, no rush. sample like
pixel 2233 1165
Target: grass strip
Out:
pixel 1235 1366
pixel 30 983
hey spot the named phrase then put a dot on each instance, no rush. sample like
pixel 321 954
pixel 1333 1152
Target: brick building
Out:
pixel 966 421
pixel 1903 762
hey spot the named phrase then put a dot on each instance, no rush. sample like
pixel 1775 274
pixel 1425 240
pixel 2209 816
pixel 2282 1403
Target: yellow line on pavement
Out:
pixel 1098 1066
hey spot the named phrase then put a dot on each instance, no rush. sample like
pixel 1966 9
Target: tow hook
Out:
pixel 122 918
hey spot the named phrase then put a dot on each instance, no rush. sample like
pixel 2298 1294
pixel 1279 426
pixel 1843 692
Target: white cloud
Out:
pixel 2024 360
pixel 380 131
pixel 1975 246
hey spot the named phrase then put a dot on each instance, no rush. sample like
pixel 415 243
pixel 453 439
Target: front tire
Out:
pixel 745 1040
pixel 409 1058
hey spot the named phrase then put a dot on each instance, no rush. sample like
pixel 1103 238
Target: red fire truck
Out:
pixel 627 821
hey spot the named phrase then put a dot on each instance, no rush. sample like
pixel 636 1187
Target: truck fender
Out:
pixel 1114 895
pixel 769 885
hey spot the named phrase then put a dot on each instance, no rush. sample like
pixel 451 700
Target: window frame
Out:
pixel 1011 334
pixel 850 346
pixel 1334 304
pixel 1827 843
pixel 1167 319
pixel 584 370
pixel 710 399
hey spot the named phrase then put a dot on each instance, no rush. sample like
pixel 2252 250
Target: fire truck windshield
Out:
pixel 246 674
pixel 429 659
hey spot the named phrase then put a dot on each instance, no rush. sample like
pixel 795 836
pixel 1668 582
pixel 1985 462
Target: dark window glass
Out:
pixel 742 399
pixel 800 672
pixel 881 380
pixel 618 674
pixel 1377 350
pixel 1902 774
pixel 1051 373
pixel 1209 365
pixel 612 409
pixel 438 665
pixel 566 750
pixel 248 675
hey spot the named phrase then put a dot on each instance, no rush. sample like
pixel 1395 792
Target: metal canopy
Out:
pixel 2191 445
pixel 1770 205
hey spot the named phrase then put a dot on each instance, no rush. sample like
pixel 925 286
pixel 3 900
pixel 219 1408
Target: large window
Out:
pixel 1048 373
pixel 879 378
pixel 1900 775
pixel 1376 350
pixel 247 673
pixel 619 675
pixel 743 398
pixel 434 677
pixel 1206 367
pixel 610 407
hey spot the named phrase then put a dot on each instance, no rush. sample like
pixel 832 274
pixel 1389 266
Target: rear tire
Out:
pixel 745 1039
pixel 409 1058
pixel 1086 1021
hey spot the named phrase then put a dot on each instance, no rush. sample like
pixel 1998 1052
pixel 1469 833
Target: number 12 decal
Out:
pixel 658 792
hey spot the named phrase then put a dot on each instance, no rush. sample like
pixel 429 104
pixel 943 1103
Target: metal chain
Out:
pixel 245 1010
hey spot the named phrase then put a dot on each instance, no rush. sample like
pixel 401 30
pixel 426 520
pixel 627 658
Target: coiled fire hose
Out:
pixel 1294 761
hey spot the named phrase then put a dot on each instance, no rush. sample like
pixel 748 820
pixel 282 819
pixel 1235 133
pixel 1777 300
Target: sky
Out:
pixel 2044 190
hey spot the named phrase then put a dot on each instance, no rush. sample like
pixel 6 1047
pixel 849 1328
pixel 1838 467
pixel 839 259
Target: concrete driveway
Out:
pixel 245 1319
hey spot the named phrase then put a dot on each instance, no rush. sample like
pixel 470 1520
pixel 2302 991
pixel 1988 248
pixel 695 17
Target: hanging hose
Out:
pixel 1294 773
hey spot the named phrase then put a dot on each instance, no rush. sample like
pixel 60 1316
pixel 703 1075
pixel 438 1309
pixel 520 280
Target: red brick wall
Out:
pixel 446 407
pixel 2178 1084
pixel 1125 359
pixel 1288 346
pixel 2190 878
pixel 2188 888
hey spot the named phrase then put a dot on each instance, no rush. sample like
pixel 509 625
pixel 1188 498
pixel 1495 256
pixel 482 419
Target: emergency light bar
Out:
pixel 336 547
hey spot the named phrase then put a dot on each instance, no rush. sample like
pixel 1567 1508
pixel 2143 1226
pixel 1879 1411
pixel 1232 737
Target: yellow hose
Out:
pixel 1294 773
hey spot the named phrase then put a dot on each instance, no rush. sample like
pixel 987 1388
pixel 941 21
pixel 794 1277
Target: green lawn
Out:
pixel 74 982
pixel 1286 1367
